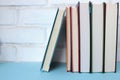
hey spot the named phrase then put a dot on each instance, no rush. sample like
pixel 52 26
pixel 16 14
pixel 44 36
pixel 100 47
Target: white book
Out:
pixel 110 37
pixel 52 40
pixel 84 38
pixel 75 48
pixel 68 40
pixel 97 37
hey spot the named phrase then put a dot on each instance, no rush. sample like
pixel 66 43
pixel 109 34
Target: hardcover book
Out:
pixel 97 37
pixel 52 40
pixel 111 27
pixel 84 37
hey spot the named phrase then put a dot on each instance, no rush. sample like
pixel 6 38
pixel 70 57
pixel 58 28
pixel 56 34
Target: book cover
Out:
pixel 90 19
pixel 78 9
pixel 52 40
pixel 84 37
pixel 68 40
pixel 97 37
pixel 110 37
pixel 75 45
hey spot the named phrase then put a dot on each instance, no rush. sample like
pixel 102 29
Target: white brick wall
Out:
pixel 23 2
pixel 36 15
pixel 24 32
pixel 25 27
pixel 64 2
pixel 7 53
pixel 22 35
pixel 30 53
pixel 58 2
pixel 7 15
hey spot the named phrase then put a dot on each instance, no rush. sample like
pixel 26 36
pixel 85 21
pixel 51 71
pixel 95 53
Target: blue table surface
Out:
pixel 31 71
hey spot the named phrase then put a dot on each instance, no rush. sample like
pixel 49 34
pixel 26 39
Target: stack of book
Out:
pixel 91 31
pixel 91 37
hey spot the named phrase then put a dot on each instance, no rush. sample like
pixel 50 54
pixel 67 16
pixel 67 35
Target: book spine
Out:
pixel 49 39
pixel 104 26
pixel 67 39
pixel 71 37
pixel 117 35
pixel 78 9
pixel 90 11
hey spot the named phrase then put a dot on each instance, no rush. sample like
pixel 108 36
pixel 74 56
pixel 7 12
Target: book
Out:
pixel 75 40
pixel 104 23
pixel 68 40
pixel 90 16
pixel 97 37
pixel 52 40
pixel 78 10
pixel 111 24
pixel 84 37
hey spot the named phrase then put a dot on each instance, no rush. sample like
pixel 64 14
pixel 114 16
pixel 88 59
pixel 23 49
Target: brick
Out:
pixel 23 2
pixel 8 53
pixel 7 15
pixel 86 1
pixel 114 1
pixel 22 35
pixel 36 16
pixel 7 26
pixel 30 54
pixel 58 1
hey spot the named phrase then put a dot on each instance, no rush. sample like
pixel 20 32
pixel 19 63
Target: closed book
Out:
pixel 84 37
pixel 97 37
pixel 68 40
pixel 75 45
pixel 52 40
pixel 111 24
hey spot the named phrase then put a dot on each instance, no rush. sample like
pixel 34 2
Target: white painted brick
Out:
pixel 100 1
pixel 7 15
pixel 23 2
pixel 36 16
pixel 115 1
pixel 86 1
pixel 76 1
pixel 58 1
pixel 7 26
pixel 30 53
pixel 22 35
pixel 8 53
